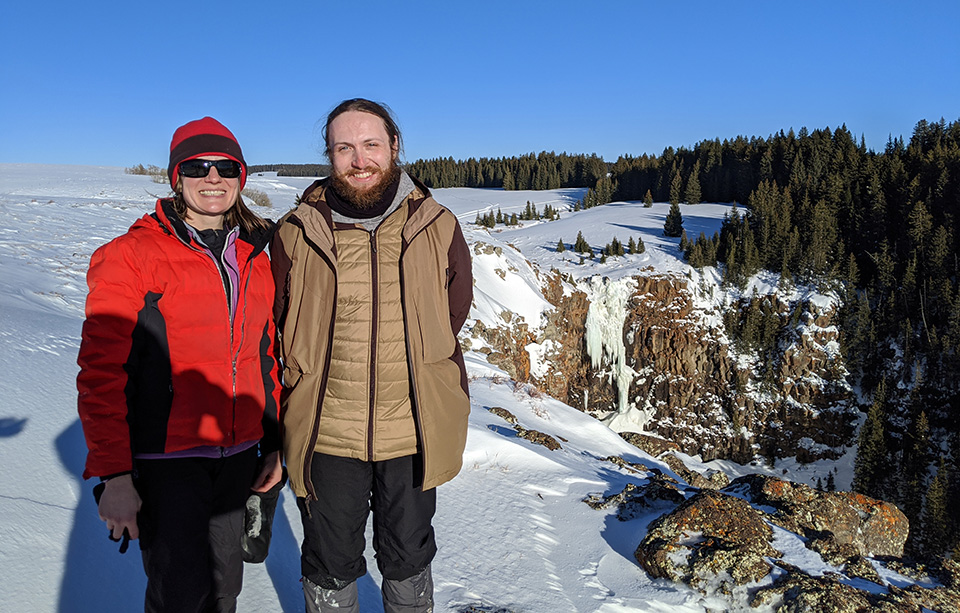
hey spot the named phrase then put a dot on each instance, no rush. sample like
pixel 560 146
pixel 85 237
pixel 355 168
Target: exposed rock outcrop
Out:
pixel 713 480
pixel 872 527
pixel 798 592
pixel 534 436
pixel 634 500
pixel 710 538
pixel 654 445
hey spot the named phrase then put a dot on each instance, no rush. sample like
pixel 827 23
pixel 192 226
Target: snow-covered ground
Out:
pixel 513 532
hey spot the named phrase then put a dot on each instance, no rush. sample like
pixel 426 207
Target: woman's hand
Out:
pixel 119 505
pixel 270 474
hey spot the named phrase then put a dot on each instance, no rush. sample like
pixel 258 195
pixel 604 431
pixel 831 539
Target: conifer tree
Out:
pixel 695 255
pixel 870 464
pixel 913 467
pixel 692 194
pixel 560 246
pixel 936 514
pixel 673 226
pixel 581 245
pixel 675 186
pixel 631 246
pixel 648 199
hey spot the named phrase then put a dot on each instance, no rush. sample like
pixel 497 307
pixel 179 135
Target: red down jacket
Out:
pixel 161 367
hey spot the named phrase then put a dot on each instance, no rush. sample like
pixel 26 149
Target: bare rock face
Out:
pixel 714 480
pixel 538 438
pixel 798 592
pixel 504 414
pixel 873 527
pixel 709 537
pixel 700 393
pixel 718 404
pixel 654 445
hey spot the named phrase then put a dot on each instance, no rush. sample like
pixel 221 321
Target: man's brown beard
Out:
pixel 369 197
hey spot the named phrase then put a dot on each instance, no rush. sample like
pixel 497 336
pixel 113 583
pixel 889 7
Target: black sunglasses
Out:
pixel 195 169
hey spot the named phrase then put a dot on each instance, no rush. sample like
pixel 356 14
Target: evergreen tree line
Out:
pixel 546 170
pixel 292 170
pixel 613 248
pixel 529 213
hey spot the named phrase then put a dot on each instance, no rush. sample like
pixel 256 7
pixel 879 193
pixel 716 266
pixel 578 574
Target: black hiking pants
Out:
pixel 190 526
pixel 333 527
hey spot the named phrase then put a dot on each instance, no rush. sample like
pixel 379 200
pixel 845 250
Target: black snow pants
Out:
pixel 333 526
pixel 190 526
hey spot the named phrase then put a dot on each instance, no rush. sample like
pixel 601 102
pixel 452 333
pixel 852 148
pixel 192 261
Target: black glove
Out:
pixel 258 522
pixel 123 540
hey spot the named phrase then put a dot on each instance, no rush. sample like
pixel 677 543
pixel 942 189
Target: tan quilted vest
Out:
pixel 367 412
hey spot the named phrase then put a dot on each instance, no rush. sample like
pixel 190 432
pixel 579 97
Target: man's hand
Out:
pixel 270 474
pixel 119 505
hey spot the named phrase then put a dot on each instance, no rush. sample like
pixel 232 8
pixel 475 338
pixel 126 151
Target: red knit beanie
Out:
pixel 200 138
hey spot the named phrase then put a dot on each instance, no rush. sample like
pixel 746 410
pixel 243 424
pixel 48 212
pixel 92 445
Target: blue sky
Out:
pixel 107 83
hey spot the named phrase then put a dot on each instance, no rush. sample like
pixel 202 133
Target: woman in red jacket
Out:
pixel 178 383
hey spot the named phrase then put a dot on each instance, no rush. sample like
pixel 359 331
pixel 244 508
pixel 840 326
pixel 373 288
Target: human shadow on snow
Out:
pixel 98 578
pixel 11 426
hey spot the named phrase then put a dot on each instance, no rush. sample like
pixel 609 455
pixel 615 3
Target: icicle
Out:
pixel 604 331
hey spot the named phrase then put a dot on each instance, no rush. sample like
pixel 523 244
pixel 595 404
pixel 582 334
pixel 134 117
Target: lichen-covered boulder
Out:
pixel 799 592
pixel 795 591
pixel 710 537
pixel 873 526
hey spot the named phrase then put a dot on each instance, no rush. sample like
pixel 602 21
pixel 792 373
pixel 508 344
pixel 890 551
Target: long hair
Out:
pixel 365 106
pixel 237 215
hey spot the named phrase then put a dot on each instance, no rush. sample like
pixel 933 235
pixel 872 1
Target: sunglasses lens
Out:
pixel 195 169
pixel 228 169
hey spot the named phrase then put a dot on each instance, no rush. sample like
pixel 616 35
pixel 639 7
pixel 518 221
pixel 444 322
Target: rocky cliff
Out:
pixel 721 374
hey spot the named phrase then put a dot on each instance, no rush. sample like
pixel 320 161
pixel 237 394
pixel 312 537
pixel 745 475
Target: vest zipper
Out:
pixel 375 314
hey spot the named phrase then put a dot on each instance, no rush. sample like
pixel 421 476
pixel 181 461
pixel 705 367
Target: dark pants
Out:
pixel 190 526
pixel 333 527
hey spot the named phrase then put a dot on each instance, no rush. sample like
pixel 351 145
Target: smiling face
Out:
pixel 208 198
pixel 363 157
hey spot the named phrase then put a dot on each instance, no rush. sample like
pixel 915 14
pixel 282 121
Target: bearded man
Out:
pixel 373 284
